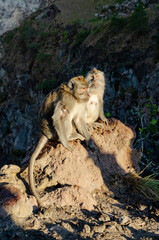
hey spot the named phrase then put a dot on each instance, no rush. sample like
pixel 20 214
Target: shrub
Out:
pixel 9 36
pixel 138 21
pixel 148 135
pixel 117 23
pixel 81 36
pixel 27 32
pixel 43 56
pixel 34 46
pixel 47 85
pixel 65 36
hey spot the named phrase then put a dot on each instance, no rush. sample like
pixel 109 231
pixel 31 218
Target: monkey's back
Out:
pixel 63 94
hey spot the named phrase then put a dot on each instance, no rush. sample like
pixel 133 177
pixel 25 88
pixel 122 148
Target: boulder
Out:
pixel 71 178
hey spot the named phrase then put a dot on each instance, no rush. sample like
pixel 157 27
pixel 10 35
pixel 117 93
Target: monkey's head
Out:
pixel 94 77
pixel 79 87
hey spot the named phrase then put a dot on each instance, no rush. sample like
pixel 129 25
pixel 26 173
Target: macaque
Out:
pixel 62 112
pixel 96 82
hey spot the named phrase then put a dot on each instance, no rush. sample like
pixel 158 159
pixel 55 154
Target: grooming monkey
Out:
pixel 62 112
pixel 96 81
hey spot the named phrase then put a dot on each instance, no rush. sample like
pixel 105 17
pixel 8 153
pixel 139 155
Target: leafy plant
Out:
pixel 43 34
pixel 117 23
pixel 148 135
pixel 43 56
pixel 65 36
pixel 47 85
pixel 27 35
pixel 156 40
pixel 108 115
pixel 27 32
pixel 9 36
pixel 34 46
pixel 138 21
pixel 81 36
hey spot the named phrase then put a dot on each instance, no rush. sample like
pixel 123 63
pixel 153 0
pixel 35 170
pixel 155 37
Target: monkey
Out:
pixel 73 106
pixel 96 81
pixel 61 113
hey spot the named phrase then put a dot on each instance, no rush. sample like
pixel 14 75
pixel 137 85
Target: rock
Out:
pixel 124 220
pixel 14 200
pixel 99 229
pixel 9 170
pixel 75 175
pixel 122 14
pixel 71 178
pixel 13 12
pixel 86 229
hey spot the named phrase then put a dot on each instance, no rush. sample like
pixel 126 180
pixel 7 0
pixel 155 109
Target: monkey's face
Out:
pixel 81 93
pixel 94 77
pixel 79 88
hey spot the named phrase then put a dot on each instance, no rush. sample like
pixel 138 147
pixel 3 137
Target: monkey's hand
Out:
pixel 97 125
pixel 105 120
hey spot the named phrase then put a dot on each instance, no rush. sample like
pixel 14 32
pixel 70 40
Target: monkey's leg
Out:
pixel 101 114
pixel 63 129
pixel 75 135
pixel 82 128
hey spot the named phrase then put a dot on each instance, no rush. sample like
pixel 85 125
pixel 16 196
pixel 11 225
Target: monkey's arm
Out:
pixel 101 112
pixel 63 127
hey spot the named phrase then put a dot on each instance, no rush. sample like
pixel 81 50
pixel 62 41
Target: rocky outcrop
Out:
pixel 35 63
pixel 13 12
pixel 70 178
pixel 121 9
pixel 14 200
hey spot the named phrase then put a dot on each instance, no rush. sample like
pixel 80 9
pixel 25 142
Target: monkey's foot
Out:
pixel 96 125
pixel 75 136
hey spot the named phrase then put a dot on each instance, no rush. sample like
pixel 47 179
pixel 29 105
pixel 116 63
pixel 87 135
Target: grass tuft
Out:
pixel 148 186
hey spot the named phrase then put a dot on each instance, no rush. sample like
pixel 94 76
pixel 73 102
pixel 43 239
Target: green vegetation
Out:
pixel 27 32
pixel 47 85
pixel 117 23
pixel 43 35
pixel 148 118
pixel 8 37
pixel 148 186
pixel 138 21
pixel 41 56
pixel 155 38
pixel 108 115
pixel 94 20
pixel 34 46
pixel 65 36
pixel 81 36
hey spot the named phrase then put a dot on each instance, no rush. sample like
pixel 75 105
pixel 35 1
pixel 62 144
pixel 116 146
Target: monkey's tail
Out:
pixel 42 141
